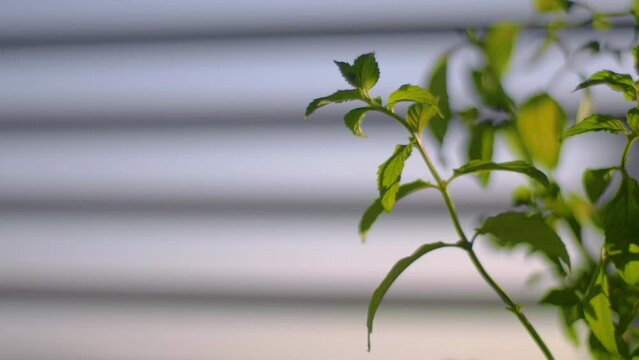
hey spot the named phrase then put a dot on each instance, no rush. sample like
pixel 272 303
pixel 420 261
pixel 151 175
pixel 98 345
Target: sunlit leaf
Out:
pixel 621 222
pixel 438 86
pixel 522 196
pixel 480 146
pixel 518 166
pixel 597 311
pixel 596 182
pixel 618 82
pixel 419 115
pixel 363 74
pixel 376 209
pixel 499 44
pixel 633 119
pixel 389 174
pixel 390 278
pixel 540 121
pixel 353 120
pixel 596 122
pixel 413 93
pixel 514 228
pixel 630 271
pixel 337 97
pixel 585 107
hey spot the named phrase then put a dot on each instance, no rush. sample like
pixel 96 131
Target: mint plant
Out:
pixel 599 291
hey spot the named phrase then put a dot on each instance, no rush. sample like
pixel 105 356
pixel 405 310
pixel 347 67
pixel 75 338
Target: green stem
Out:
pixel 467 245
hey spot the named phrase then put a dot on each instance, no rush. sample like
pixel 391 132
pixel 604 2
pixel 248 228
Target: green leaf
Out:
pixel 546 6
pixel 596 182
pixel 601 22
pixel 540 121
pixel 337 97
pixel 585 107
pixel 597 311
pixel 490 90
pixel 353 120
pixel 596 122
pixel 419 115
pixel 376 209
pixel 618 82
pixel 561 297
pixel 633 119
pixel 389 174
pixel 514 228
pixel 621 222
pixel 363 74
pixel 413 93
pixel 518 166
pixel 522 196
pixel 439 87
pixel 480 146
pixel 499 44
pixel 635 56
pixel 390 278
pixel 469 115
pixel 630 271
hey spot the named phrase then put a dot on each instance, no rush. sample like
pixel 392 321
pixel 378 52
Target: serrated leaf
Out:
pixel 336 97
pixel 490 90
pixel 419 115
pixel 596 182
pixel 596 122
pixel 480 146
pixel 540 121
pixel 389 175
pixel 621 222
pixel 363 74
pixel 353 120
pixel 376 209
pixel 514 228
pixel 545 6
pixel 560 297
pixel 618 82
pixel 597 311
pixel 390 278
pixel 438 86
pixel 633 119
pixel 518 166
pixel 408 92
pixel 498 46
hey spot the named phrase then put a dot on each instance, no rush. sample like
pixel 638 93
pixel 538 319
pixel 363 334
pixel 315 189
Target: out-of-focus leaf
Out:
pixel 596 182
pixel 592 46
pixel 585 107
pixel 363 74
pixel 618 82
pixel 413 93
pixel 596 122
pixel 353 120
pixel 499 44
pixel 438 86
pixel 519 166
pixel 480 147
pixel 337 97
pixel 546 6
pixel 514 228
pixel 419 115
pixel 390 278
pixel 633 119
pixel 469 115
pixel 561 297
pixel 376 209
pixel 601 22
pixel 389 175
pixel 635 55
pixel 597 312
pixel 540 121
pixel 522 196
pixel 621 222
pixel 491 91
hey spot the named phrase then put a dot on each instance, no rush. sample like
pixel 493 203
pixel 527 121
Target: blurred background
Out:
pixel 162 197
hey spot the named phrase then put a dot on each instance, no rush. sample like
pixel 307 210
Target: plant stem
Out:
pixel 467 245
